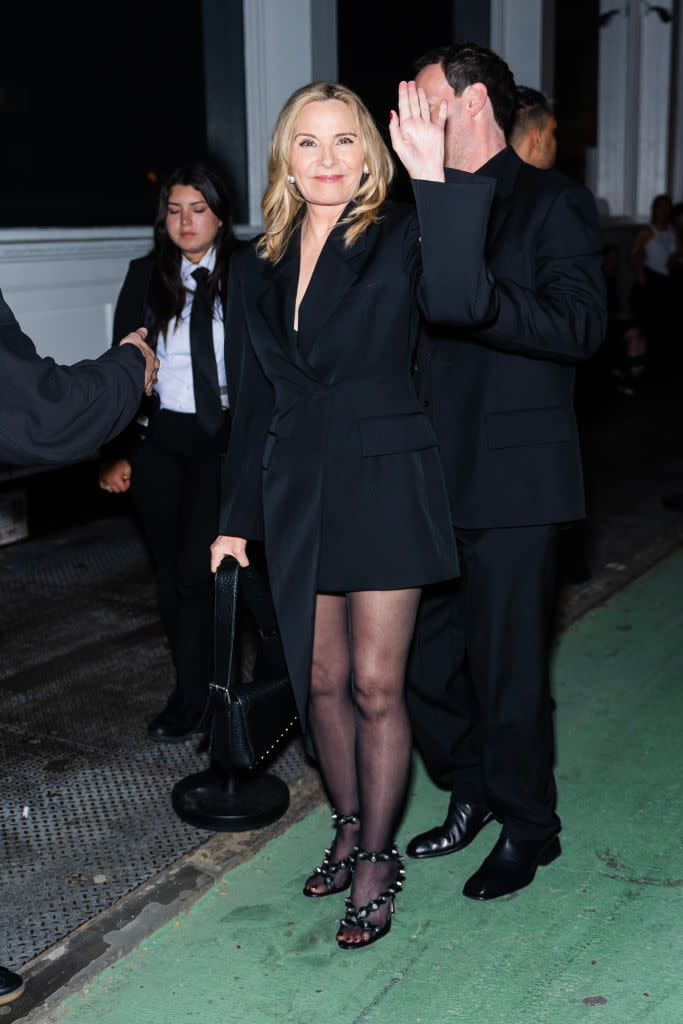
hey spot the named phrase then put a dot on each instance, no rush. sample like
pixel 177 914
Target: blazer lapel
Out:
pixel 503 167
pixel 276 298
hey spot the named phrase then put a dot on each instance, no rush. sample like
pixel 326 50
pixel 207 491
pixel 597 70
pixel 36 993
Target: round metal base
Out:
pixel 210 800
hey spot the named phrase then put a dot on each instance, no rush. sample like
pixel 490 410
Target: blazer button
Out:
pixel 426 403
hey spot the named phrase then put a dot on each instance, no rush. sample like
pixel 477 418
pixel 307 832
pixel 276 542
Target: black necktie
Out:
pixel 207 394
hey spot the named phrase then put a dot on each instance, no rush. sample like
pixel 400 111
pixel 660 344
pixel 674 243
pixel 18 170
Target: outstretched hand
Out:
pixel 137 338
pixel 418 140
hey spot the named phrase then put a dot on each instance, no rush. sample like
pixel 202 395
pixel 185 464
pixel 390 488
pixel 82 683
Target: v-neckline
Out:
pixel 330 235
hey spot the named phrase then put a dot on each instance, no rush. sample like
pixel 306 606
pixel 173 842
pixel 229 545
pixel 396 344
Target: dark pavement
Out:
pixel 88 835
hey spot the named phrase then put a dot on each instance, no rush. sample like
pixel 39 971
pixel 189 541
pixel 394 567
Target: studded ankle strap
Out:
pixel 391 853
pixel 340 820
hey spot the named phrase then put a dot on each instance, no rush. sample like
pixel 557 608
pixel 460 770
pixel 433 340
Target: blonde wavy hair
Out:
pixel 282 200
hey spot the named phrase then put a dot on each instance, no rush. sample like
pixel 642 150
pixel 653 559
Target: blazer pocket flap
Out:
pixel 386 435
pixel 528 426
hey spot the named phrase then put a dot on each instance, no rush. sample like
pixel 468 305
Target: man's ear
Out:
pixel 475 97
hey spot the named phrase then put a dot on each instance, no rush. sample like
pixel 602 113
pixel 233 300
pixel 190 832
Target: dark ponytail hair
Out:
pixel 170 297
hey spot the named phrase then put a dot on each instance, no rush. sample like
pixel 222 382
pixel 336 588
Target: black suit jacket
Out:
pixel 51 413
pixel 330 446
pixel 500 394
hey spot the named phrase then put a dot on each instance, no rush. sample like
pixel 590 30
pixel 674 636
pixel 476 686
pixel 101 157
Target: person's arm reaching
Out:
pixel 51 413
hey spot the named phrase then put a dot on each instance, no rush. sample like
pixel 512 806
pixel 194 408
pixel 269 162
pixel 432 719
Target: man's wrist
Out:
pixel 435 175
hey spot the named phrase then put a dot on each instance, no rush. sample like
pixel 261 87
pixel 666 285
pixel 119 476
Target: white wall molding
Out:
pixel 287 43
pixel 62 284
pixel 23 251
pixel 634 138
pixel 522 33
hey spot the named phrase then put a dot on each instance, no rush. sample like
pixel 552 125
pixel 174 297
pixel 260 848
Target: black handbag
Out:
pixel 249 718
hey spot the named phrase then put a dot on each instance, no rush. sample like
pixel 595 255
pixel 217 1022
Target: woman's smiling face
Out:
pixel 327 157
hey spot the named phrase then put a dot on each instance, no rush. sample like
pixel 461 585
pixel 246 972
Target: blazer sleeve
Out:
pixel 129 314
pixel 251 402
pixel 51 413
pixel 448 267
pixel 562 317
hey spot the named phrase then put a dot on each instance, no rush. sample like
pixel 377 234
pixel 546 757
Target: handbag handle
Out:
pixel 231 578
pixel 225 621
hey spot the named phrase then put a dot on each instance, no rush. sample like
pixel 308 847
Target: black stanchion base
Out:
pixel 222 803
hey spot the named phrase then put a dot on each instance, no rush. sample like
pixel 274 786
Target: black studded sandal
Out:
pixel 357 917
pixel 329 869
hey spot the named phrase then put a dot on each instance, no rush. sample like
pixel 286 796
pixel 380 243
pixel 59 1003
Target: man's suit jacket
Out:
pixel 500 395
pixel 51 413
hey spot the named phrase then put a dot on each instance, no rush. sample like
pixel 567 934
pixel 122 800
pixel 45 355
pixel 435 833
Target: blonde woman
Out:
pixel 332 461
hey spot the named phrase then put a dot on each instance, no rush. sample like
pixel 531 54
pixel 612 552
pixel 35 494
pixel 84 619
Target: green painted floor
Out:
pixel 596 938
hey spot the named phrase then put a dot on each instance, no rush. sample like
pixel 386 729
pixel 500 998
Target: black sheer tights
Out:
pixel 358 720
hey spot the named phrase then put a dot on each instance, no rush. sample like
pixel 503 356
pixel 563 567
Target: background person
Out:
pixel 533 131
pixel 650 260
pixel 51 414
pixel 332 458
pixel 179 290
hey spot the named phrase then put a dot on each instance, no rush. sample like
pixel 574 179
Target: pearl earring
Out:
pixel 290 179
pixel 366 169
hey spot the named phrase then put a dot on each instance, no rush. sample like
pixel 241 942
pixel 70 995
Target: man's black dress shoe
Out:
pixel 510 866
pixel 463 822
pixel 172 727
pixel 11 985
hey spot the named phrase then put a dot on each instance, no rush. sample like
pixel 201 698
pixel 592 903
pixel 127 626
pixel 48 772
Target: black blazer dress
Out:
pixel 332 459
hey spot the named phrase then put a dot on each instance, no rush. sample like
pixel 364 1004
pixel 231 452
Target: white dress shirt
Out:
pixel 175 386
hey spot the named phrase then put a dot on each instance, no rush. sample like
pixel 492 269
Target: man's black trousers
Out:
pixel 478 679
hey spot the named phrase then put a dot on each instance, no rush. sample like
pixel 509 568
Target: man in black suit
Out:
pixel 501 398
pixel 51 413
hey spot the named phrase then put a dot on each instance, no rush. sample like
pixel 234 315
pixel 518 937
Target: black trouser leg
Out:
pixel 494 729
pixel 156 485
pixel 442 703
pixel 175 490
pixel 198 528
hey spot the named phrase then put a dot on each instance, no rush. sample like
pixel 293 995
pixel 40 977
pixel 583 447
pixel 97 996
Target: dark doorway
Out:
pixel 94 110
pixel 378 46
pixel 576 84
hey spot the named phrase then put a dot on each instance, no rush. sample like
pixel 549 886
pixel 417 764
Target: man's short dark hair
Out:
pixel 466 63
pixel 531 112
